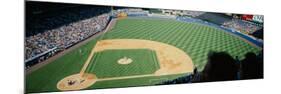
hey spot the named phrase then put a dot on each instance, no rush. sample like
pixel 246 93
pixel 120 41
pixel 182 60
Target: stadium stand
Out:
pixel 223 27
pixel 216 18
pixel 50 31
pixel 192 13
pixel 63 28
pixel 226 21
pixel 133 12
pixel 49 16
pixel 242 26
pixel 258 34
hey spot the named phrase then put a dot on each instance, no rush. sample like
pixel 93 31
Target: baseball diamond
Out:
pixel 144 62
pixel 156 50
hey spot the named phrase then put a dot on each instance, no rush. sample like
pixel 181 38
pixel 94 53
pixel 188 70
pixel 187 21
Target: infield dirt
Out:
pixel 171 59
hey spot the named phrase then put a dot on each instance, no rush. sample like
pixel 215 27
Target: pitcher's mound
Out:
pixel 125 60
pixel 76 82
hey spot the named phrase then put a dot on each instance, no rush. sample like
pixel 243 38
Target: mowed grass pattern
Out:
pixel 46 78
pixel 195 39
pixel 104 64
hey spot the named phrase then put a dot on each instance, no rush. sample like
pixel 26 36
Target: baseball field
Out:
pixel 137 52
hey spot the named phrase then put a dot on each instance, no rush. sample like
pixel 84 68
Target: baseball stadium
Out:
pixel 83 47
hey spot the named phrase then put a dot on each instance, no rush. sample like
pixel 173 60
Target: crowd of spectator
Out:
pixel 193 13
pixel 225 23
pixel 76 27
pixel 64 36
pixel 257 34
pixel 133 12
pixel 242 26
pixel 182 12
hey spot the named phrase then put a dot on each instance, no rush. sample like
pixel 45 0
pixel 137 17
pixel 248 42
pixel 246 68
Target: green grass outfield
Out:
pixel 195 39
pixel 104 64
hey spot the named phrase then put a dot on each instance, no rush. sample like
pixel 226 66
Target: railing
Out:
pixel 39 55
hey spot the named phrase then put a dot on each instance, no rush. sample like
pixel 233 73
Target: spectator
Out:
pixel 252 66
pixel 220 67
pixel 242 26
pixel 66 35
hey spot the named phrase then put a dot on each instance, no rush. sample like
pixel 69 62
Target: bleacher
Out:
pixel 52 31
pixel 131 12
pixel 222 27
